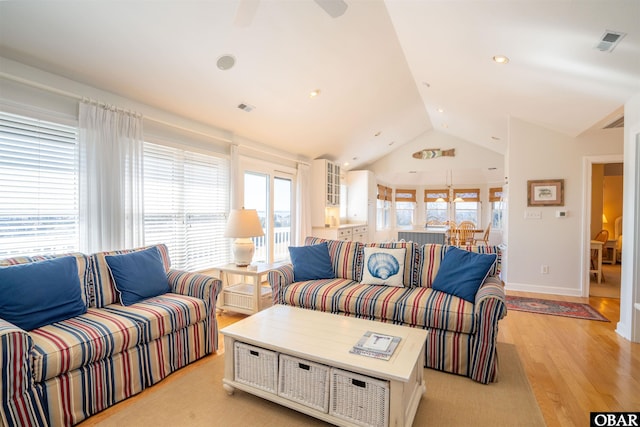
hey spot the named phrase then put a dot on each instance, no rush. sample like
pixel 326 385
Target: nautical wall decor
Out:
pixel 432 153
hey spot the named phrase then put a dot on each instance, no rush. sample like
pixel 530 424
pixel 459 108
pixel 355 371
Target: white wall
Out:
pixel 629 324
pixel 538 153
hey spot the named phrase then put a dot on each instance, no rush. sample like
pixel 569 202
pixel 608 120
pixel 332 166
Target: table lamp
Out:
pixel 242 225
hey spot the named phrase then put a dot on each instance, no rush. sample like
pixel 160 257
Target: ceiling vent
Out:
pixel 609 40
pixel 617 123
pixel 246 107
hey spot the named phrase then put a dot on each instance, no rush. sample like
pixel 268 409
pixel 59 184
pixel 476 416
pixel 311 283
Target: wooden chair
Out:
pixel 464 233
pixel 485 237
pixel 602 236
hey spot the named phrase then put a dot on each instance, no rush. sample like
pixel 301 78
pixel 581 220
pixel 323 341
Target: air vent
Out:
pixel 618 123
pixel 609 40
pixel 246 107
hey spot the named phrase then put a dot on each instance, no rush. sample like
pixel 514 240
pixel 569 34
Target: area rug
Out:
pixel 556 308
pixel 194 397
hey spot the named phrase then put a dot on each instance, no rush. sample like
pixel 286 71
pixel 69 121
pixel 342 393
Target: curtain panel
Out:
pixel 111 182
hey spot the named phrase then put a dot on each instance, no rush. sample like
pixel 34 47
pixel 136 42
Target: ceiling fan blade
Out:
pixel 334 8
pixel 245 13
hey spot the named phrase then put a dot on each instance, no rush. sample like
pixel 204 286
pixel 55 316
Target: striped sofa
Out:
pixel 461 335
pixel 62 373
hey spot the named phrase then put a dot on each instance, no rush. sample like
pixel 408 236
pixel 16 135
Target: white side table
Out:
pixel 247 296
pixel 610 245
pixel 597 245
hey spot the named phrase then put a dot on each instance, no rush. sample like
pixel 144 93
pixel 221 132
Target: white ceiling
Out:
pixel 383 66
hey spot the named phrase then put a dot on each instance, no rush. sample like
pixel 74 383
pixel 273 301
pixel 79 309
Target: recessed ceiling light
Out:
pixel 495 138
pixel 345 164
pixel 391 143
pixel 440 110
pixel 378 133
pixel 500 59
pixel 426 84
pixel 314 93
pixel 354 159
pixel 226 62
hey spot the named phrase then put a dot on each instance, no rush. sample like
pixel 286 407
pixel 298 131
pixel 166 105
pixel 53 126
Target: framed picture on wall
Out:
pixel 545 192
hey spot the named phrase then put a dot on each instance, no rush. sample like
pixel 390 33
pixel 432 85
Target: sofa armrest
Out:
pixel 279 279
pixel 490 306
pixel 20 401
pixel 201 286
pixel 491 292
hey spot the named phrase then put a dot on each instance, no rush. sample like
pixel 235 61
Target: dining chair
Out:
pixel 485 237
pixel 464 233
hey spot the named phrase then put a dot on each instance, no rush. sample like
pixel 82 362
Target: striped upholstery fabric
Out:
pixel 346 257
pixel 21 405
pixel 62 373
pixel 461 335
pixel 279 279
pixel 162 315
pixel 174 351
pixel 64 346
pixel 422 307
pixel 78 394
pixel 411 260
pixel 207 289
pixel 104 287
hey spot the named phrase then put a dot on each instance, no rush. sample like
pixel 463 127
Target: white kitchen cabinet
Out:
pixel 325 199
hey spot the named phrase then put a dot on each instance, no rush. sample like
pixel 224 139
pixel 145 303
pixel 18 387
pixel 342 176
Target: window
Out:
pixel 258 188
pixel 467 209
pixel 405 207
pixel 185 205
pixel 436 206
pixel 383 207
pixel 497 207
pixel 39 195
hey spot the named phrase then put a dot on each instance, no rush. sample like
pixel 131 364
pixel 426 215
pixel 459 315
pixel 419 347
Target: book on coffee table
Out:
pixel 379 346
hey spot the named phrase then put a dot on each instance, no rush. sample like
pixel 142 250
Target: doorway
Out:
pixel 604 222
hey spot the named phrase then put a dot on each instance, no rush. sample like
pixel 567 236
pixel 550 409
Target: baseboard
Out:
pixel 552 290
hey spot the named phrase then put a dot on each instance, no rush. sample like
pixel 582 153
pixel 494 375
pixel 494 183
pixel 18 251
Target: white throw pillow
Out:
pixel 383 266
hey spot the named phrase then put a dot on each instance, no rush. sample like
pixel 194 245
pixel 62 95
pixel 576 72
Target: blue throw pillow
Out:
pixel 311 262
pixel 462 272
pixel 40 293
pixel 138 275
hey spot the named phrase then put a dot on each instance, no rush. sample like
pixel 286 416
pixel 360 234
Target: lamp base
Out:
pixel 243 250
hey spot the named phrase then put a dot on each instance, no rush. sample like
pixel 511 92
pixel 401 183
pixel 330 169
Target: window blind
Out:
pixel 405 195
pixel 495 194
pixel 434 195
pixel 186 200
pixel 39 195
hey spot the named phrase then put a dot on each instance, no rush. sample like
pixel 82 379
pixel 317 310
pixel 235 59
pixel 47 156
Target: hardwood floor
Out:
pixel 575 366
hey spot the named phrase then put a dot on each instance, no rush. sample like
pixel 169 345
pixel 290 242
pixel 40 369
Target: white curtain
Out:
pixel 111 184
pixel 303 196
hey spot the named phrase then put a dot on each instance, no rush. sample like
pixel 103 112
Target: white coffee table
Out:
pixel 326 339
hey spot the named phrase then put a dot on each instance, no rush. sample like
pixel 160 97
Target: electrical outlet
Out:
pixel 544 269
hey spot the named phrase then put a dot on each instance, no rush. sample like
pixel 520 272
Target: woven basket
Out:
pixel 256 367
pixel 359 399
pixel 304 382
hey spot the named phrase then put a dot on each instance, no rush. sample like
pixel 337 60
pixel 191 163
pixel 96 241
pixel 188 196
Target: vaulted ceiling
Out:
pixel 387 71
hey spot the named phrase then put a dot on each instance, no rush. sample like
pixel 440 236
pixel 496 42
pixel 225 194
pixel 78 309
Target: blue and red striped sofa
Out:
pixel 461 334
pixel 62 373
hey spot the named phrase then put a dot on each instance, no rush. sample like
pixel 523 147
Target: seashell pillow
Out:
pixel 383 266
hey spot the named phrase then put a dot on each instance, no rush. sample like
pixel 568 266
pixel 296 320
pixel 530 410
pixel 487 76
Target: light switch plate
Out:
pixel 532 214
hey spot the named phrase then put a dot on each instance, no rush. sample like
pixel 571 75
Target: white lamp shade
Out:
pixel 243 223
